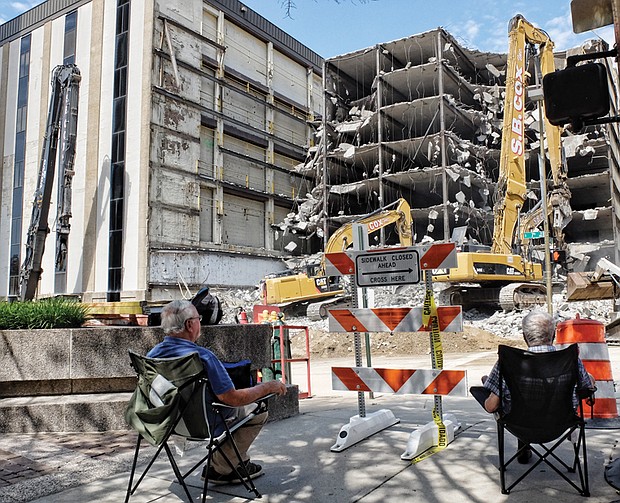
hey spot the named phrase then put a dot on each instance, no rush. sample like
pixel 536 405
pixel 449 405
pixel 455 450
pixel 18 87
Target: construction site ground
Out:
pixel 325 344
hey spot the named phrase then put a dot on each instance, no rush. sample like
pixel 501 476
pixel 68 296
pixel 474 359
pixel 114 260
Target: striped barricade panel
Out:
pixel 432 256
pixel 400 381
pixel 339 264
pixel 393 319
pixel 438 256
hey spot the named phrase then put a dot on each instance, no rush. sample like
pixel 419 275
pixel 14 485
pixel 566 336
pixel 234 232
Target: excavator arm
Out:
pixel 313 286
pixel 512 183
pixel 61 123
pixel 400 215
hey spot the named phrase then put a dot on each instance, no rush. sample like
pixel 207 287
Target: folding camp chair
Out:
pixel 542 386
pixel 173 397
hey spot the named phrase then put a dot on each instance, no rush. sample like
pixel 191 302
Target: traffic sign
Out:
pixel 533 235
pixel 395 267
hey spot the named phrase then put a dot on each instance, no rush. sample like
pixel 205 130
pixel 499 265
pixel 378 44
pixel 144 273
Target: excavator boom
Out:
pixel 61 123
pixel 505 275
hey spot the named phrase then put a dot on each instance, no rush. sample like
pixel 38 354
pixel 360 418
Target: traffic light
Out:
pixel 576 94
pixel 558 257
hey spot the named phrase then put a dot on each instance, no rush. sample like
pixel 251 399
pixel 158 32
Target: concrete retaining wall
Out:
pixel 94 360
pixel 81 379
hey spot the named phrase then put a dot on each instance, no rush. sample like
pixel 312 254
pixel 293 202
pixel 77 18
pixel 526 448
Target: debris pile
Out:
pixel 502 324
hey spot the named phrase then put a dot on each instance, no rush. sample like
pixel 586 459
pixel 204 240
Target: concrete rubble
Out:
pixel 421 118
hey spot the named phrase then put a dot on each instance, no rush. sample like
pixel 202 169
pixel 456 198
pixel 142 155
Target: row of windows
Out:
pixel 18 166
pixel 117 174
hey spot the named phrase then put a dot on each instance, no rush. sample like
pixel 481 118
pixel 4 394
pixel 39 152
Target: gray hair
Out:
pixel 175 314
pixel 538 328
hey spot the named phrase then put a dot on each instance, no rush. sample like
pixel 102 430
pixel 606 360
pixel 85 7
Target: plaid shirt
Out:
pixel 492 382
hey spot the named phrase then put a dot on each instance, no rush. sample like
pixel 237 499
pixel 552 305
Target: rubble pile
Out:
pixel 502 324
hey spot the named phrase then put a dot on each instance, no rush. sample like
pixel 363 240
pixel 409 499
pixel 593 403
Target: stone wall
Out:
pixel 81 379
pixel 95 360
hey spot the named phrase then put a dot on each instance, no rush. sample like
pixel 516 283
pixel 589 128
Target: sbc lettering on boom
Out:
pixel 516 142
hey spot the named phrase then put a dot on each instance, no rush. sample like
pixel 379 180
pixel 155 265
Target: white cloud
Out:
pixel 560 30
pixel 471 29
pixel 466 33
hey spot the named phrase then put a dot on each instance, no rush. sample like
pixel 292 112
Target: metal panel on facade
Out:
pixel 243 222
pixel 243 172
pixel 206 214
pixel 246 53
pixel 207 147
pixel 289 78
pixel 290 128
pixel 207 90
pixel 239 106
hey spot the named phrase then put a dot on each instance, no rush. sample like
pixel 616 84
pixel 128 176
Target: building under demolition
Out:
pixel 210 145
pixel 421 118
pixel 191 118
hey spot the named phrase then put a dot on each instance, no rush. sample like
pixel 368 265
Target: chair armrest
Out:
pixel 258 402
pixel 586 393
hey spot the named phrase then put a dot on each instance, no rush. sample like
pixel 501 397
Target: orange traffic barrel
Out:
pixel 594 353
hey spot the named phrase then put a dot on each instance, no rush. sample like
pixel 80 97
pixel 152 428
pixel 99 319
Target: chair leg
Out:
pixel 177 472
pixel 502 465
pixel 247 481
pixel 583 475
pixel 133 469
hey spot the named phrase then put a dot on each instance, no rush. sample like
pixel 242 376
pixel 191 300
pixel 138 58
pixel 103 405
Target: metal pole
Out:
pixel 442 136
pixel 543 189
pixel 324 164
pixel 380 135
pixel 360 237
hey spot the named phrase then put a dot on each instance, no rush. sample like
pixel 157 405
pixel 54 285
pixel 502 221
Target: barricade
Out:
pixel 593 351
pixel 391 267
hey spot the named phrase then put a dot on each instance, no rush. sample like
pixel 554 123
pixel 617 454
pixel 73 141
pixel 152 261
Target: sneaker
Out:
pixel 252 469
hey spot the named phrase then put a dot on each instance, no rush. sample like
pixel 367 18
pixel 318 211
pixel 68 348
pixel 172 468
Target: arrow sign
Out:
pixel 395 267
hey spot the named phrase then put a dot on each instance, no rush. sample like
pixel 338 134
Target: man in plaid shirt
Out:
pixel 538 332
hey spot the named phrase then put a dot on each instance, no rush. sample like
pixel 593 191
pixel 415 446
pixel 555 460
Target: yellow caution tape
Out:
pixel 430 317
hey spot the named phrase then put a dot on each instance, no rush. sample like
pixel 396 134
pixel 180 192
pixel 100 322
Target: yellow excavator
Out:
pixel 313 288
pixel 506 274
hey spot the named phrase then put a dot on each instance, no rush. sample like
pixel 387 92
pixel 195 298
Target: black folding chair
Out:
pixel 541 389
pixel 173 397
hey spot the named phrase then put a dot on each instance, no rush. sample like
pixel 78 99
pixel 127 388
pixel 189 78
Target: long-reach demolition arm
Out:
pixel 512 182
pixel 61 122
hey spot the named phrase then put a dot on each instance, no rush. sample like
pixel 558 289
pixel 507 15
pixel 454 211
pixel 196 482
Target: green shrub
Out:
pixel 47 313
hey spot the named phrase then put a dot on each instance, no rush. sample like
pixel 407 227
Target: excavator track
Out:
pixel 522 296
pixel 319 310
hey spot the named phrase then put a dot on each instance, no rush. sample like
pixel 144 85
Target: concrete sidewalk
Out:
pixel 298 463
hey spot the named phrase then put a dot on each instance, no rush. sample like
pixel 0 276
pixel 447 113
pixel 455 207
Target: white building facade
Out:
pixel 192 117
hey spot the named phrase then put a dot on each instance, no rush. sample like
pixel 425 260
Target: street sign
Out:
pixel 533 235
pixel 396 267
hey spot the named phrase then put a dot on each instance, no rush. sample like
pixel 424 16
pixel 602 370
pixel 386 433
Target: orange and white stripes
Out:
pixel 432 256
pixel 393 319
pixel 400 381
pixel 594 353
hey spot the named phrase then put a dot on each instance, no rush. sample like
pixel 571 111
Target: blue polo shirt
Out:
pixel 173 347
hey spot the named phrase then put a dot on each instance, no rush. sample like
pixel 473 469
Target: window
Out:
pixel 18 167
pixel 117 173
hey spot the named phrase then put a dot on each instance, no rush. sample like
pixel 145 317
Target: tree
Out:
pixel 289 5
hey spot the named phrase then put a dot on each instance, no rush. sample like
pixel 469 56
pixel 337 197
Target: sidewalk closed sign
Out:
pixel 398 267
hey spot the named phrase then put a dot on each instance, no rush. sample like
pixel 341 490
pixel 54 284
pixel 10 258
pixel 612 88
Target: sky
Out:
pixel 334 27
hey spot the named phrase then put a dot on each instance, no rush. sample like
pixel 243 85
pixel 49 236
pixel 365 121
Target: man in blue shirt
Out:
pixel 181 324
pixel 538 333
